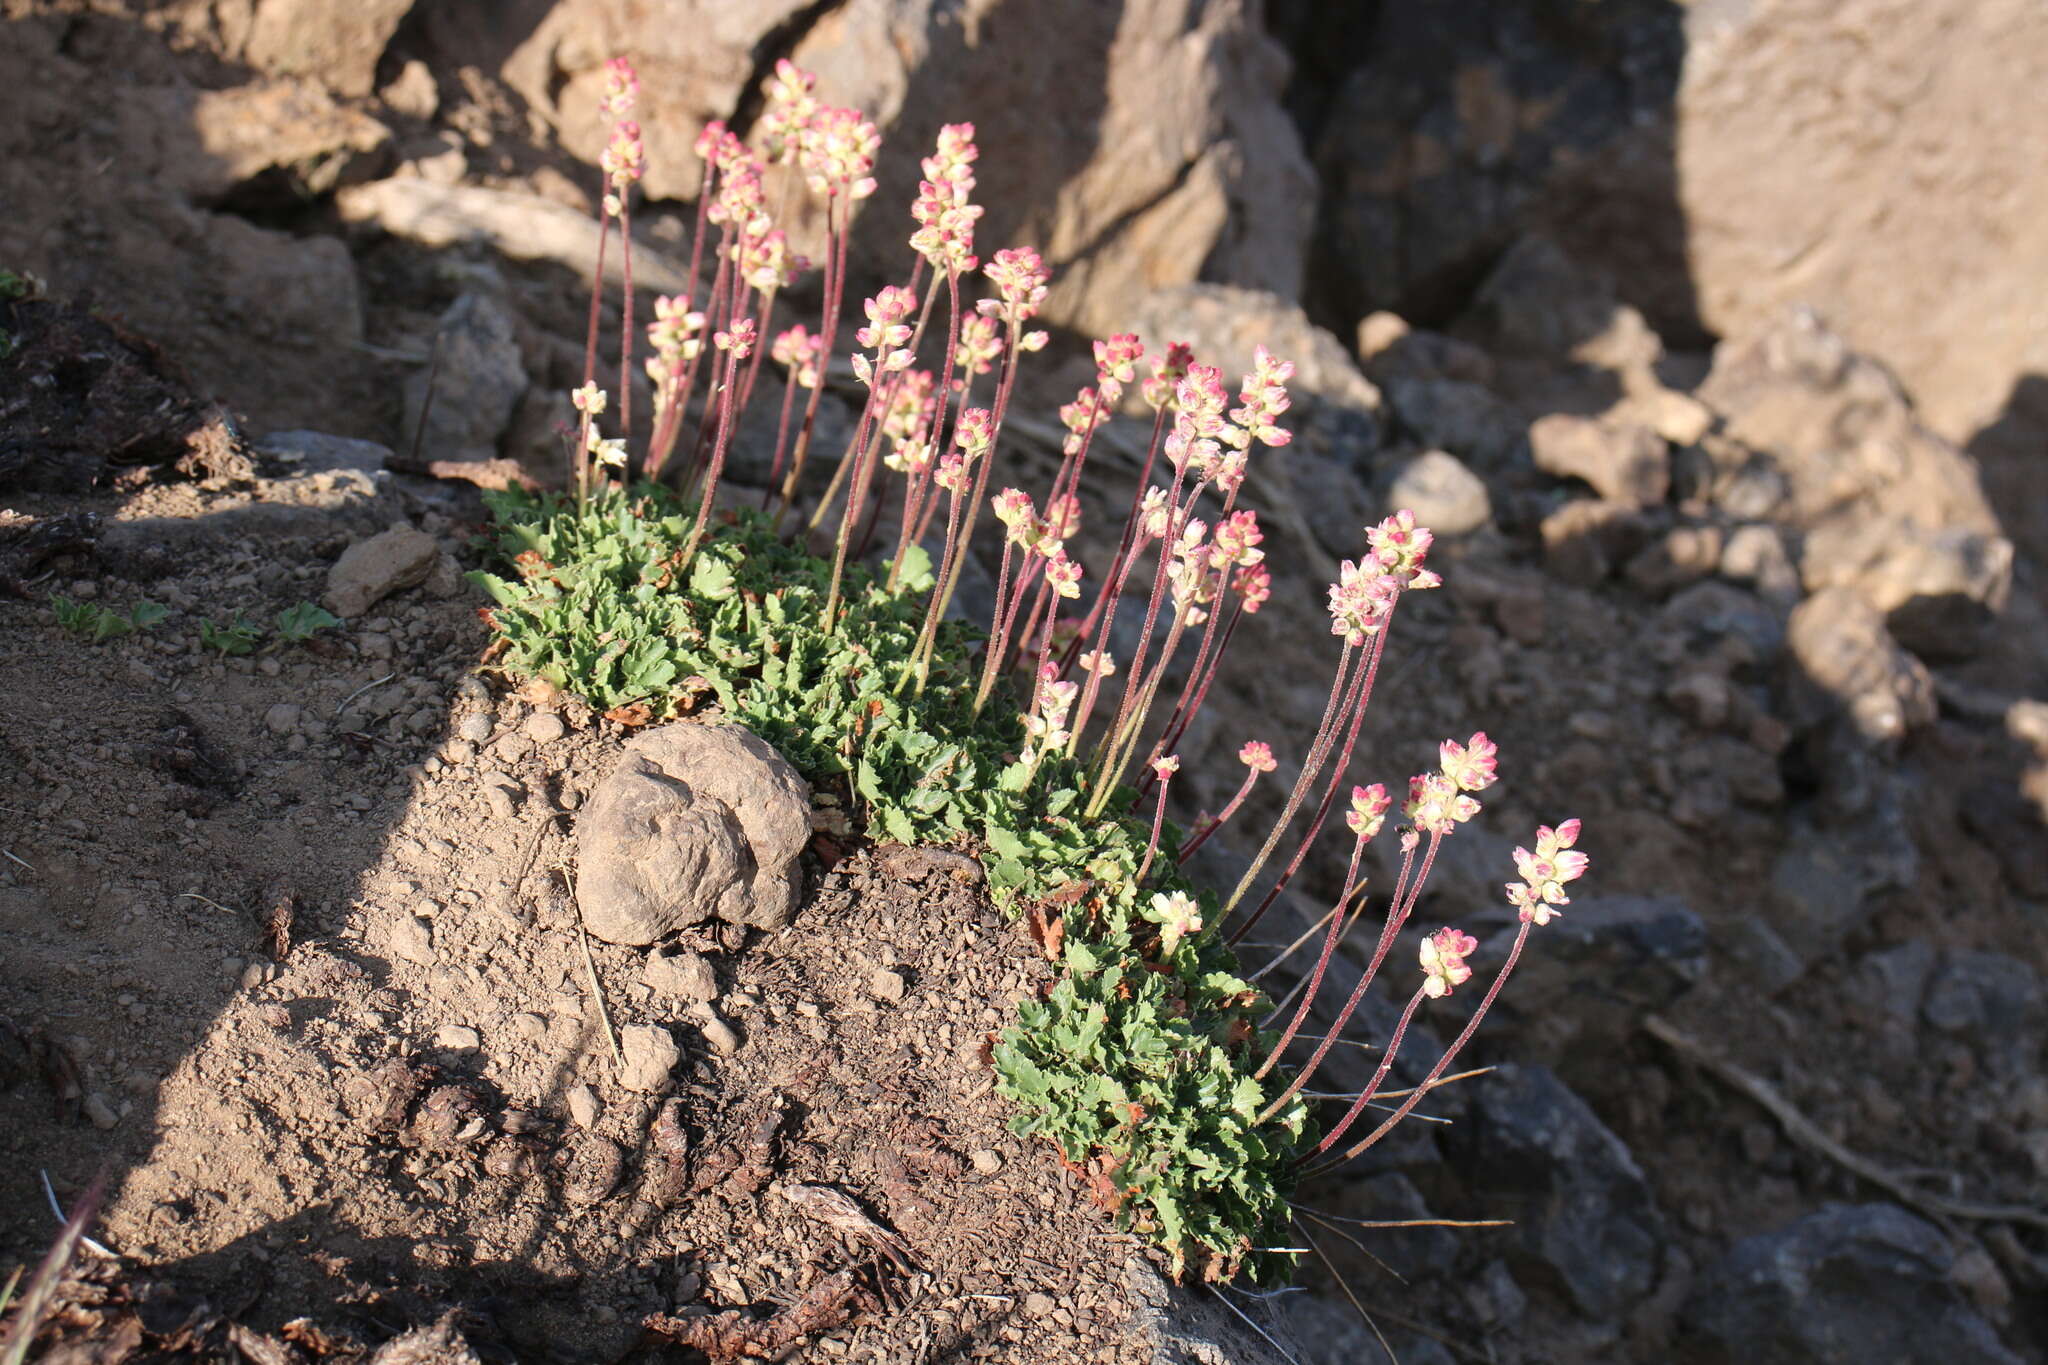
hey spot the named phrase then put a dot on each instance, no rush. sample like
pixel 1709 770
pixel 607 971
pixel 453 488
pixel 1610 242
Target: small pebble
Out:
pixel 544 727
pixel 457 1038
pixel 282 718
pixel 887 984
pixel 1037 1305
pixel 100 1112
pixel 583 1106
pixel 719 1037
pixel 411 939
pixel 475 727
pixel 985 1161
pixel 457 752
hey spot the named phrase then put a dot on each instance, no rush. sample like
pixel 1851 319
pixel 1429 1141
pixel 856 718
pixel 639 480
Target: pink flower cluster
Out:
pixel 837 152
pixel 944 212
pixel 1545 872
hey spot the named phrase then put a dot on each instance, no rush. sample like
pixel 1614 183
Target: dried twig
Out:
pixel 360 690
pixel 1808 1134
pixel 604 1015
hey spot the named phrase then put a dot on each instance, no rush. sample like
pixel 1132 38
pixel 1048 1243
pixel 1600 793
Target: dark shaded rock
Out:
pixel 477 380
pixel 1993 1001
pixel 1586 539
pixel 1823 884
pixel 1849 1284
pixel 1465 123
pixel 1705 612
pixel 1582 1210
pixel 1458 416
pixel 1606 962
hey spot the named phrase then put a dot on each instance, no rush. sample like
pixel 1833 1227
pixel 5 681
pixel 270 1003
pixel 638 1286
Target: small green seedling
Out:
pixel 238 637
pixel 99 623
pixel 298 624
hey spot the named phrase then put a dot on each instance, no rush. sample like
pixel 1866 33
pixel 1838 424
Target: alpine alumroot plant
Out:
pixel 1176 1089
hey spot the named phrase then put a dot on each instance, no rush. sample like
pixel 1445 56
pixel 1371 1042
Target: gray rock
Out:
pixel 1332 501
pixel 1177 1325
pixel 316 452
pixel 683 974
pixel 696 821
pixel 1850 1283
pixel 1705 612
pixel 1540 303
pixel 457 1038
pixel 717 1034
pixel 283 718
pixel 545 727
pixel 478 381
pixel 1764 957
pixel 1579 1201
pixel 371 570
pixel 1445 496
pixel 1411 1253
pixel 651 1055
pixel 1824 882
pixel 1841 645
pixel 1896 979
pixel 1190 167
pixel 1624 462
pixel 1389 348
pixel 1458 416
pixel 1992 1000
pixel 103 1114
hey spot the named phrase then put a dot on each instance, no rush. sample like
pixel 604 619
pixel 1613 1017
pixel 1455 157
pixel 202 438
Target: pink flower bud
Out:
pixel 1472 765
pixel 1368 810
pixel 1258 756
pixel 1443 961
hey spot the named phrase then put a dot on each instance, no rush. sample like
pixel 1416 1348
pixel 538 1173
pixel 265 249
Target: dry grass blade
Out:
pixel 604 1014
pixel 1345 1285
pixel 41 1293
pixel 1807 1134
pixel 1223 1298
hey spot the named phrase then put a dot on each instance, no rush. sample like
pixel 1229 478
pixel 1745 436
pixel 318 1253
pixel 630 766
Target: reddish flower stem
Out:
pixel 1202 835
pixel 626 321
pixel 1443 1065
pixel 1375 649
pixel 1311 766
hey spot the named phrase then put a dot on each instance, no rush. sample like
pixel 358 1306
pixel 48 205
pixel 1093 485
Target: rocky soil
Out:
pixel 292 949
